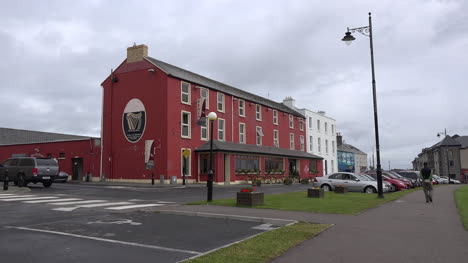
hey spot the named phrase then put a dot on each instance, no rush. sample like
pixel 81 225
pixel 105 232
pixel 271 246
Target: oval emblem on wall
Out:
pixel 134 120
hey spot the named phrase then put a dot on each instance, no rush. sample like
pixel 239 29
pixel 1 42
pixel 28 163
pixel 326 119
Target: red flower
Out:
pixel 247 190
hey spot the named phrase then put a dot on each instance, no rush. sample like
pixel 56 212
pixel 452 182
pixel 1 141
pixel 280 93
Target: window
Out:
pixel 319 145
pixel 302 142
pixel 275 117
pixel 301 124
pixel 185 124
pixel 326 127
pixel 312 165
pixel 259 135
pixel 333 166
pixel 258 114
pixel 221 129
pixel 27 162
pixel 220 102
pixel 204 129
pixel 273 164
pixel 291 121
pixel 247 162
pixel 49 155
pixel 326 146
pixel 276 138
pixel 242 108
pixel 291 141
pixel 311 149
pixel 310 122
pixel 333 129
pixel 318 125
pixel 204 163
pixel 185 92
pixel 205 93
pixel 241 132
pixel 62 155
pixel 333 147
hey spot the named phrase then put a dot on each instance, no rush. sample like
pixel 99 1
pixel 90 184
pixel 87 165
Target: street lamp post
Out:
pixel 446 154
pixel 348 38
pixel 209 183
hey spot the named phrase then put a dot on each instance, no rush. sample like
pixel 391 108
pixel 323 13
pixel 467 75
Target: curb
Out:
pixel 15 189
pixel 273 221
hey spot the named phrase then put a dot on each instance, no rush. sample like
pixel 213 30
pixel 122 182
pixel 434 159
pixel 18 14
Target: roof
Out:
pixel 463 140
pixel 14 136
pixel 349 148
pixel 447 141
pixel 219 146
pixel 213 84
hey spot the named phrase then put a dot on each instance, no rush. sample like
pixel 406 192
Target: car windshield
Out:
pixel 395 174
pixel 46 161
pixel 368 177
pixel 391 175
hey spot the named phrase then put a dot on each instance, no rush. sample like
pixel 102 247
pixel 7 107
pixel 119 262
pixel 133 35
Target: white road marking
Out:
pixel 266 227
pixel 5 194
pixel 79 202
pixel 29 198
pixel 16 196
pixel 132 206
pixel 50 201
pixel 166 202
pixel 68 209
pixel 108 240
pixel 118 222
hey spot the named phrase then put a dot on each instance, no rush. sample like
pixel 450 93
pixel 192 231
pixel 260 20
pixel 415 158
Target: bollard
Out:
pixel 152 178
pixel 5 181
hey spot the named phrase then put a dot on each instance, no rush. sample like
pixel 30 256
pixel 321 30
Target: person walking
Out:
pixel 426 178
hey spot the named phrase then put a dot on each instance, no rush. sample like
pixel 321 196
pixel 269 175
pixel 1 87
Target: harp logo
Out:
pixel 134 120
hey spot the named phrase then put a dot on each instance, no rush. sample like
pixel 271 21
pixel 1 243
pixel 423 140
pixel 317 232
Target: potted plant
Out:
pixel 287 181
pixel 305 181
pixel 249 197
pixel 340 189
pixel 315 192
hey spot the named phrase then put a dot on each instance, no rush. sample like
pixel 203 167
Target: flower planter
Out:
pixel 249 199
pixel 341 190
pixel 315 193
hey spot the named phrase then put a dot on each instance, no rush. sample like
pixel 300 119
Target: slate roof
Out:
pixel 349 148
pixel 447 141
pixel 14 136
pixel 463 140
pixel 213 84
pixel 231 147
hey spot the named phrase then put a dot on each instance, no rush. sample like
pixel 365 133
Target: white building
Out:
pixel 320 135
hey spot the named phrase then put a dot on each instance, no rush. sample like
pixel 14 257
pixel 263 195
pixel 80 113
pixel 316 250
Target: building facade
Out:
pixel 320 136
pixel 154 125
pixel 350 158
pixel 77 155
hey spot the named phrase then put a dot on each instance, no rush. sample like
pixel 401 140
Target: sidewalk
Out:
pixel 405 230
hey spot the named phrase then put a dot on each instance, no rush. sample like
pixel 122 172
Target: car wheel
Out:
pixel 47 183
pixel 326 187
pixel 370 190
pixel 395 188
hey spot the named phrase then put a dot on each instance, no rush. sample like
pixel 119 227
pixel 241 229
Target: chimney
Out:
pixel 339 139
pixel 290 102
pixel 136 53
pixel 321 112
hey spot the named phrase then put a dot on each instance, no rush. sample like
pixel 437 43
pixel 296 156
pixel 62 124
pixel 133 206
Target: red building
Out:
pixel 76 155
pixel 153 113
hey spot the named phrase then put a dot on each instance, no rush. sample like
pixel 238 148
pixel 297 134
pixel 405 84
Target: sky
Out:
pixel 55 55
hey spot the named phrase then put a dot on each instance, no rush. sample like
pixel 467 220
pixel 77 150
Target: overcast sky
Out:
pixel 55 54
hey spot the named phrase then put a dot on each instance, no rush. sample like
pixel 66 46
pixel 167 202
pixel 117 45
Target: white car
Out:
pixel 353 182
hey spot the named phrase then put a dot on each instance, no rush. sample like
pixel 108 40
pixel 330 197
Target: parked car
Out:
pixel 404 180
pixel 386 186
pixel 353 182
pixel 24 170
pixel 413 175
pixel 452 181
pixel 396 185
pixel 413 182
pixel 439 179
pixel 62 177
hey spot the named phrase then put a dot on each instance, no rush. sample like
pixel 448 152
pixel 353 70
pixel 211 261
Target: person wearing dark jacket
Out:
pixel 426 178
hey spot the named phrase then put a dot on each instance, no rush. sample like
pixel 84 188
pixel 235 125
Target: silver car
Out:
pixel 353 182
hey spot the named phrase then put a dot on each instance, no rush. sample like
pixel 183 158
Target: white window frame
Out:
pixel 291 121
pixel 182 93
pixel 311 143
pixel 319 145
pixel 242 137
pixel 218 102
pixel 302 142
pixel 242 114
pixel 258 112
pixel 333 129
pixel 326 146
pixel 301 124
pixel 275 117
pixel 310 122
pixel 291 141
pixel 221 130
pixel 276 138
pixel 206 128
pixel 207 98
pixel 188 124
pixel 326 127
pixel 318 125
pixel 332 166
pixel 333 147
pixel 258 135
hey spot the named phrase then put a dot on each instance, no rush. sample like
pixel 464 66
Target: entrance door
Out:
pixel 227 169
pixel 77 169
pixel 292 166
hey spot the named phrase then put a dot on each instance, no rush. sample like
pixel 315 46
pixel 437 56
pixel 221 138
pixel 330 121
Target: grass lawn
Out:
pixel 349 203
pixel 264 247
pixel 461 197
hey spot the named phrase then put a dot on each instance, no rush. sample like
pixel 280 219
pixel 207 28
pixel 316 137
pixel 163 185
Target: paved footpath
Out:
pixel 405 230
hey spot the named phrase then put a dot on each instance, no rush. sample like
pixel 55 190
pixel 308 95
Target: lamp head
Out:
pixel 438 135
pixel 348 38
pixel 212 116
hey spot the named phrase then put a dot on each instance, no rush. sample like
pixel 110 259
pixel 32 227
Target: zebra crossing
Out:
pixel 72 203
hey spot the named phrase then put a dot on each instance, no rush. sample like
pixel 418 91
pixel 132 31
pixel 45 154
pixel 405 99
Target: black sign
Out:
pixel 134 120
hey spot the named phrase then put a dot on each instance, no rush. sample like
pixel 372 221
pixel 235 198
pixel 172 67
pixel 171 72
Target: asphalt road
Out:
pixel 95 223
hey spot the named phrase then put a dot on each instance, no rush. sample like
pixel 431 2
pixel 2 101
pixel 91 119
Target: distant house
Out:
pixel 350 158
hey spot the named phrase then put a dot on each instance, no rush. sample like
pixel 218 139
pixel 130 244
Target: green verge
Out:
pixel 263 247
pixel 461 197
pixel 349 203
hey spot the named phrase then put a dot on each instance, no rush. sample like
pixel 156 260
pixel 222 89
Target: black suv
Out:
pixel 24 170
